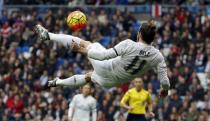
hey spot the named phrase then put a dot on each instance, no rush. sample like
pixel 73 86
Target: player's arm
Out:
pixel 94 111
pixel 106 54
pixel 150 114
pixel 149 102
pixel 163 77
pixel 124 101
pixel 71 108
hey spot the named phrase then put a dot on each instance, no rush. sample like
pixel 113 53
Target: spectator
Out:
pixel 1 6
pixel 207 70
pixel 107 2
pixel 193 113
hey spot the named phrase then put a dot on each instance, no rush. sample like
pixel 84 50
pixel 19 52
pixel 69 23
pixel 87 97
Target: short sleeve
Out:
pixel 149 98
pixel 125 97
pixel 93 105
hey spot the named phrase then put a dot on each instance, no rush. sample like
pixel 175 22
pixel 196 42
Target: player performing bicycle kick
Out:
pixel 120 64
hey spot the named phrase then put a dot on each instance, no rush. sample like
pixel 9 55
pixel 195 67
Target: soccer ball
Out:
pixel 76 20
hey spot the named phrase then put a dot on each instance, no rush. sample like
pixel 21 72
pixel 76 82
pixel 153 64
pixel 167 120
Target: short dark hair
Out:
pixel 148 31
pixel 91 84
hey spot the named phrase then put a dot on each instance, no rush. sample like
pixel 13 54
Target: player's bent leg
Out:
pixel 73 81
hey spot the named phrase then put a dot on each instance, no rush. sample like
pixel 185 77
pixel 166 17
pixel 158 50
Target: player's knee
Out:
pixel 75 46
pixel 82 47
pixel 88 76
pixel 85 44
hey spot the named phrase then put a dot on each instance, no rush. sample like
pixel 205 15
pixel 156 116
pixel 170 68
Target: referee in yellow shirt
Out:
pixel 135 101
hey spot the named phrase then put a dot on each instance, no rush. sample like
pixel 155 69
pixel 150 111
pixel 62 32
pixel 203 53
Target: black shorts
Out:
pixel 136 117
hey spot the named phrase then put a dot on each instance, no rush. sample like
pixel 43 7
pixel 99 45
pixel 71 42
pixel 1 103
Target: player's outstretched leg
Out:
pixel 69 41
pixel 73 81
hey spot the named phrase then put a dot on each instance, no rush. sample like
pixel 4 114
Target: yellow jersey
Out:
pixel 137 100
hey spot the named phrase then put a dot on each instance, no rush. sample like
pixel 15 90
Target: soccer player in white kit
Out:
pixel 117 65
pixel 82 105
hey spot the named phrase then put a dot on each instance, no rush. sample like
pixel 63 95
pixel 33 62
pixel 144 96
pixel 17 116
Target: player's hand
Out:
pixel 130 108
pixel 163 93
pixel 69 118
pixel 150 115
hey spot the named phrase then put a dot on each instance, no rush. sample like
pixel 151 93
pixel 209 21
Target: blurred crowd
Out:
pixel 26 64
pixel 106 2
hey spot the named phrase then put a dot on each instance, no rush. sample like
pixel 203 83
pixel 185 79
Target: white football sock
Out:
pixel 74 81
pixel 64 39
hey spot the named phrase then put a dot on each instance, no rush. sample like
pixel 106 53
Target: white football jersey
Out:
pixel 129 59
pixel 81 107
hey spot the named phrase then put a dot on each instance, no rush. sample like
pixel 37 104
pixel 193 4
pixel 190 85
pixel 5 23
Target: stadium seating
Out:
pixel 21 95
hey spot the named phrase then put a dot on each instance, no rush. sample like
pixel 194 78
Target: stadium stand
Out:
pixel 27 63
pixel 106 2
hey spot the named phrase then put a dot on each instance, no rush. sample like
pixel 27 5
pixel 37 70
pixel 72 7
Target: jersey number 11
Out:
pixel 135 66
